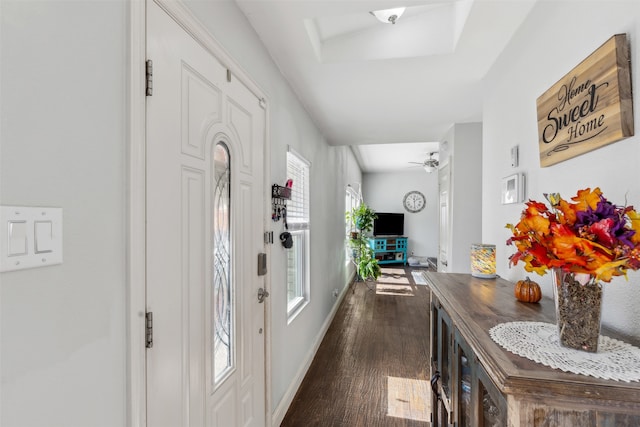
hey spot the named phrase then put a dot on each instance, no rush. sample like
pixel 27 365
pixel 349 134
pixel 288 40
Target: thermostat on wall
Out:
pixel 514 156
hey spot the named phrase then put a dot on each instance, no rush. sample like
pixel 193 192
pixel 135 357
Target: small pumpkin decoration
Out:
pixel 527 291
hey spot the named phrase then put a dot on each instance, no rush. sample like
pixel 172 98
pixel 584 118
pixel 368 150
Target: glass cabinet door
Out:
pixel 463 394
pixel 492 406
pixel 463 383
pixel 435 366
pixel 444 324
pixel 464 389
pixel 442 373
pixel 478 402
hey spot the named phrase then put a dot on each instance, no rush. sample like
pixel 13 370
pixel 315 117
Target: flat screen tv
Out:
pixel 388 224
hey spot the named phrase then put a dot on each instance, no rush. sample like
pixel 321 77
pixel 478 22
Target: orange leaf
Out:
pixel 567 211
pixel 587 198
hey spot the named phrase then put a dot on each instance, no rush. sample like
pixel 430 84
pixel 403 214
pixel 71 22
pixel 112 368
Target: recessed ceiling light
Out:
pixel 388 16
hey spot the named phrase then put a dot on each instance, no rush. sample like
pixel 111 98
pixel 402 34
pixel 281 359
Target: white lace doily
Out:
pixel 537 341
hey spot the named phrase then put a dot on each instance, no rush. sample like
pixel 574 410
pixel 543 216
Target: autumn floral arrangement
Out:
pixel 587 236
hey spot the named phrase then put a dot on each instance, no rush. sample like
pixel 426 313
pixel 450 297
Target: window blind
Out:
pixel 298 207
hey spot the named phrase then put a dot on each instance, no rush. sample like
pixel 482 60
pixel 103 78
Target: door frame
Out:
pixel 136 410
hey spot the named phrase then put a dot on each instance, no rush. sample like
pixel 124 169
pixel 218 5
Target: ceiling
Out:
pixel 374 85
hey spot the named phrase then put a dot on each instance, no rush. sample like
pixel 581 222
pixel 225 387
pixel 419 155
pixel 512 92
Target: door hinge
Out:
pixel 268 237
pixel 149 329
pixel 149 77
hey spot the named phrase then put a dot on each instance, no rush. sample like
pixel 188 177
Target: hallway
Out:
pixel 372 368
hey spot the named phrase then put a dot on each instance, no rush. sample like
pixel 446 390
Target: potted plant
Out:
pixel 367 266
pixel 361 218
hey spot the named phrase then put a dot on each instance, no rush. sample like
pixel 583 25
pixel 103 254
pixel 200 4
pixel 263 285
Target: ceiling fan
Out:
pixel 429 164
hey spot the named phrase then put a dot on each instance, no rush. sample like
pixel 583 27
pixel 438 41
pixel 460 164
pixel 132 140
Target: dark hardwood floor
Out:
pixel 372 368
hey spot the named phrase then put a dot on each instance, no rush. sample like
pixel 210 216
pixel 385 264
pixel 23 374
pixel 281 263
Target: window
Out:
pixel 298 221
pixel 222 286
pixel 351 201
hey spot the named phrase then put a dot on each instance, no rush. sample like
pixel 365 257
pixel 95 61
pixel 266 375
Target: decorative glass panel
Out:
pixel 464 389
pixel 222 304
pixel 491 411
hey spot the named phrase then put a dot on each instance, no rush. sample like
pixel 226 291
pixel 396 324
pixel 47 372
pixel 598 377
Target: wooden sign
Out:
pixel 590 107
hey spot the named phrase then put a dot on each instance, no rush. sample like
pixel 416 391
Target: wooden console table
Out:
pixel 478 383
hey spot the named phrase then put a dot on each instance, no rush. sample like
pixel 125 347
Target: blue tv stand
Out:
pixel 389 250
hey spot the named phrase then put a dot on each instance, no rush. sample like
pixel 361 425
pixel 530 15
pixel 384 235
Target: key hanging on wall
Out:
pixel 279 197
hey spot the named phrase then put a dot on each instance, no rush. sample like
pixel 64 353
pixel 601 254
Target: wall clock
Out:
pixel 414 201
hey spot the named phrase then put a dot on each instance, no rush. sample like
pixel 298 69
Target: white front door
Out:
pixel 205 225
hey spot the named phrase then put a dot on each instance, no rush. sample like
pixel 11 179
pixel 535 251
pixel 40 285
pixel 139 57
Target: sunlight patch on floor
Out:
pixel 398 280
pixel 393 289
pixel 392 271
pixel 408 398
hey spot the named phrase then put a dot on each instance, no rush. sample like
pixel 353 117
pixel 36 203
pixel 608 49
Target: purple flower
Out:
pixel 613 227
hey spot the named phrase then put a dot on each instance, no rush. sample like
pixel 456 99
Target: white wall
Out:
pixel 332 168
pixel 64 123
pixel 384 192
pixel 63 144
pixel 555 38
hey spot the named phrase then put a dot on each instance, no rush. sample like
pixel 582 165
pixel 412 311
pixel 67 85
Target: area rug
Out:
pixel 419 278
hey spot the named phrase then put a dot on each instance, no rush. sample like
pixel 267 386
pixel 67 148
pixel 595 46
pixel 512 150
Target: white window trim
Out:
pixel 295 306
pixel 302 228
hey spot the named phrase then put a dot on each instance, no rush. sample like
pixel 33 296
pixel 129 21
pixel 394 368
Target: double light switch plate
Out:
pixel 30 237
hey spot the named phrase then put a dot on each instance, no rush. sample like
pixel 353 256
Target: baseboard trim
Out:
pixel 287 399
